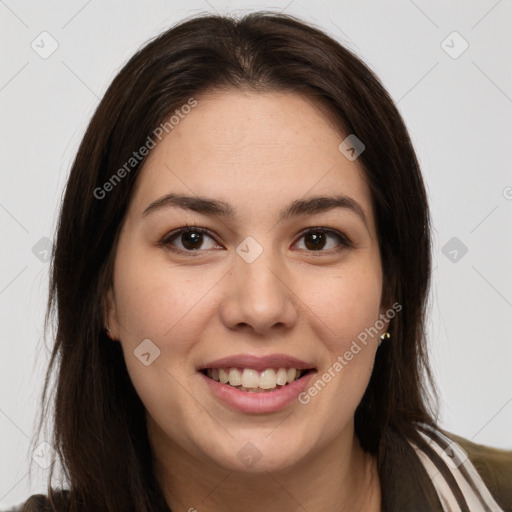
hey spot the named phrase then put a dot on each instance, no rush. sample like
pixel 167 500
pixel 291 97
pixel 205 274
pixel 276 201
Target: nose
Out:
pixel 259 297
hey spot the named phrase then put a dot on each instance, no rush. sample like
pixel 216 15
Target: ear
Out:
pixel 110 314
pixel 388 313
pixel 383 322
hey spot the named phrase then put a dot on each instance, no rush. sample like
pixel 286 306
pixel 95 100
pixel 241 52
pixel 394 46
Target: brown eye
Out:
pixel 316 239
pixel 191 238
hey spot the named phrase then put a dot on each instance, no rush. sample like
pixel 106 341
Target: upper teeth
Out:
pixel 249 378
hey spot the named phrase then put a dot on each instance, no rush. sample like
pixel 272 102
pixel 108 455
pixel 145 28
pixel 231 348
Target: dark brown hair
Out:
pixel 99 421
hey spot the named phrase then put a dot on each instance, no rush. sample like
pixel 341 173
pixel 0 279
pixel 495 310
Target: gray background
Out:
pixel 458 111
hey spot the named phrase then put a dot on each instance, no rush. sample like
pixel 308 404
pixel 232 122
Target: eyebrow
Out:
pixel 205 205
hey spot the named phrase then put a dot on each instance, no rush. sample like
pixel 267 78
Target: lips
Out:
pixel 259 363
pixel 257 384
pixel 257 401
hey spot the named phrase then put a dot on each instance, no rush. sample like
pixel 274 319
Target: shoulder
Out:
pixel 42 503
pixel 494 466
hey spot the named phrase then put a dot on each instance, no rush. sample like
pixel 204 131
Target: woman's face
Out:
pixel 255 291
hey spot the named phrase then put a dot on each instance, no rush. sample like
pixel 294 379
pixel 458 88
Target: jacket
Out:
pixel 407 485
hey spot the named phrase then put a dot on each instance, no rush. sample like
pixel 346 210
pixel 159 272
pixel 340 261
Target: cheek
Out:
pixel 347 303
pixel 159 304
pixel 347 306
pixel 157 301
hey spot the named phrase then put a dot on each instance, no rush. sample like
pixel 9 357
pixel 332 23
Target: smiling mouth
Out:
pixel 254 381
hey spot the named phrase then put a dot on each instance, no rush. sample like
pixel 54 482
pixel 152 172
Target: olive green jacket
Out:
pixel 406 486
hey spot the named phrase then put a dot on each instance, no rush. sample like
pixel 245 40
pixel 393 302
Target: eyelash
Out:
pixel 166 241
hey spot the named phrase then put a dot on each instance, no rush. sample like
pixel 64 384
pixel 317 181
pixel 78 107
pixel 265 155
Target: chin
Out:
pixel 259 454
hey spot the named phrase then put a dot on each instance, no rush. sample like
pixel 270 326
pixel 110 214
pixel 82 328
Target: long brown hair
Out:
pixel 99 421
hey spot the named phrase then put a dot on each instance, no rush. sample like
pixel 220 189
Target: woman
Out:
pixel 240 279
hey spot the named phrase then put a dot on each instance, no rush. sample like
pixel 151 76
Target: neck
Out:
pixel 340 477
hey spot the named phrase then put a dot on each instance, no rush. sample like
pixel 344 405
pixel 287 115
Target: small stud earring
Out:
pixel 109 334
pixel 383 337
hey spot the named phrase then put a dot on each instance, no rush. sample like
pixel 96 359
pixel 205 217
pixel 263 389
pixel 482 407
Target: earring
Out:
pixel 109 334
pixel 383 337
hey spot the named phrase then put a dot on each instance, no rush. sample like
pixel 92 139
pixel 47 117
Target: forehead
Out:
pixel 251 148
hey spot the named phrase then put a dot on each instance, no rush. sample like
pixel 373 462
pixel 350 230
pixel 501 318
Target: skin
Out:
pixel 258 152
